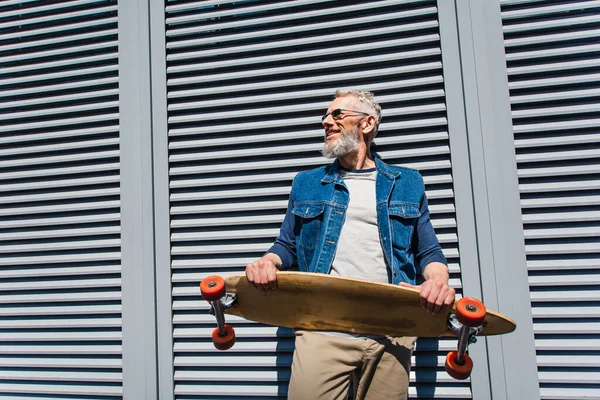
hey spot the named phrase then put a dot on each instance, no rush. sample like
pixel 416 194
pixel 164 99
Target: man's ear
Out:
pixel 368 125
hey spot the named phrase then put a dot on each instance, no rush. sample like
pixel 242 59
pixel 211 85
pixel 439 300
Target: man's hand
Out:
pixel 263 272
pixel 435 293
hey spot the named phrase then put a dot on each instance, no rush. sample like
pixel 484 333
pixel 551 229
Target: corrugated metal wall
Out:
pixel 247 83
pixel 553 65
pixel 60 286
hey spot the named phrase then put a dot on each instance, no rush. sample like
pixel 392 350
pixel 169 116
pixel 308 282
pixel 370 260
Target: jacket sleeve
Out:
pixel 425 243
pixel 285 244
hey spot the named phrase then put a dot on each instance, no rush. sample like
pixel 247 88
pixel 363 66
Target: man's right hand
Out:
pixel 263 272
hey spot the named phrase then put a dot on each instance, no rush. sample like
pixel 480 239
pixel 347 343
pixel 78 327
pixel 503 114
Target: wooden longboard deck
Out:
pixel 323 302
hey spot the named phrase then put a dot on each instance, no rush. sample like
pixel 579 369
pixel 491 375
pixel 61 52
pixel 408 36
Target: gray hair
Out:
pixel 367 103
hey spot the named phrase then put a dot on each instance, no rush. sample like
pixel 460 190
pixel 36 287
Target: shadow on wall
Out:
pixel 425 367
pixel 284 351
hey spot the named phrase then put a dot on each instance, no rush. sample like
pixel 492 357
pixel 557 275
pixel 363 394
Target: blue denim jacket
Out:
pixel 316 213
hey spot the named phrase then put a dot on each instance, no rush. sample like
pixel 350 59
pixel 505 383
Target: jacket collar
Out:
pixel 333 171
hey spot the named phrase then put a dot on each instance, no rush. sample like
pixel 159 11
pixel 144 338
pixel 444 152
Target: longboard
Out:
pixel 330 303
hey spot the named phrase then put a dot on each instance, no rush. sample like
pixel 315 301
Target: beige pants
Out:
pixel 324 365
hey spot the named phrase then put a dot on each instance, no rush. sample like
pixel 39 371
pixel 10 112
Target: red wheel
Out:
pixel 224 342
pixel 458 371
pixel 212 288
pixel 470 312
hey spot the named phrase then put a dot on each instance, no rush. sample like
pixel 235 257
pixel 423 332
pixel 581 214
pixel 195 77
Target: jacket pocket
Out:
pixel 309 217
pixel 403 218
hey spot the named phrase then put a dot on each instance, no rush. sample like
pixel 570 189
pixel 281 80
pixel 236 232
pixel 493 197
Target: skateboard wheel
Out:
pixel 470 312
pixel 224 342
pixel 458 371
pixel 212 288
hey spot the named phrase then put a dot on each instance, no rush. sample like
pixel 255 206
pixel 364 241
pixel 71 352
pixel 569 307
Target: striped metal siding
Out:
pixel 247 83
pixel 553 56
pixel 60 284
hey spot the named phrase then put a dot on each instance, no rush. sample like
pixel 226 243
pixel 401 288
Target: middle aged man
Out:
pixel 360 218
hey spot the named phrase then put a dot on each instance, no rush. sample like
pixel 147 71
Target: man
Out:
pixel 361 218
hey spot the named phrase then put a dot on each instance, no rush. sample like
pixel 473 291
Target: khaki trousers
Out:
pixel 323 367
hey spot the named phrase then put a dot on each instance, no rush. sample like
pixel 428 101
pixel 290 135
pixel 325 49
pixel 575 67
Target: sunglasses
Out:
pixel 336 114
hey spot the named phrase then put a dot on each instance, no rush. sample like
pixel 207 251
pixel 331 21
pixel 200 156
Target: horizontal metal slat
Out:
pixel 56 349
pixel 550 38
pixel 287 110
pixel 547 24
pixel 304 162
pixel 50 337
pixel 570 328
pixel 297 29
pixel 558 110
pixel 556 217
pixel 571 393
pixel 58 52
pixel 59 99
pixel 563 52
pixel 61 259
pixel 293 123
pixel 564 232
pixel 259 100
pixel 38 90
pixel 60 184
pixel 591 184
pixel 266 73
pixel 559 264
pixel 72 323
pixel 554 96
pixel 60 233
pixel 173 20
pixel 292 149
pixel 55 123
pixel 70 284
pixel 73 297
pixel 560 81
pixel 39 7
pixel 558 155
pixel 553 294
pixel 562 140
pixel 544 171
pixel 62 376
pixel 24 44
pixel 590 344
pixel 566 201
pixel 22 34
pixel 538 11
pixel 81 219
pixel 67 362
pixel 72 389
pixel 569 248
pixel 60 271
pixel 60 310
pixel 322 40
pixel 553 67
pixel 23 22
pixel 175 92
pixel 567 361
pixel 574 378
pixel 567 312
pixel 566 280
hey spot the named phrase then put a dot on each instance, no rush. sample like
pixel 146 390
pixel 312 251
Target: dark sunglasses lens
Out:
pixel 336 113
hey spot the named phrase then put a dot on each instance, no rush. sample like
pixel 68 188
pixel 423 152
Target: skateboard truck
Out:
pixel 467 322
pixel 214 291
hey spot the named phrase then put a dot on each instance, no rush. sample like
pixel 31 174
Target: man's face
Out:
pixel 342 134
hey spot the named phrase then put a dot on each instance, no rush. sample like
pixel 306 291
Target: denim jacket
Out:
pixel 316 213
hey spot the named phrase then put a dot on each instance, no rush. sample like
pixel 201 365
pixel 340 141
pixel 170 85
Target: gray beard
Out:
pixel 348 142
